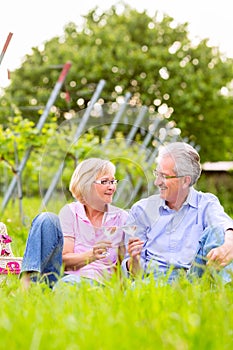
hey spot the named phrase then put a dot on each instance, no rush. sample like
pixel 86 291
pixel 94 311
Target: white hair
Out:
pixel 186 158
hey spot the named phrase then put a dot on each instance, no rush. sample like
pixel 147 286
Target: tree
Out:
pixel 150 57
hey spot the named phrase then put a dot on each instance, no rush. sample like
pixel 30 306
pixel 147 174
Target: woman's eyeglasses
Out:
pixel 106 182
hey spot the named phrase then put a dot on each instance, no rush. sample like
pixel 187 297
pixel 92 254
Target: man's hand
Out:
pixel 135 247
pixel 223 255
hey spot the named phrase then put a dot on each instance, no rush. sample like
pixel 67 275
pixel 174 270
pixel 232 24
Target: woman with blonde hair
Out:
pixel 86 237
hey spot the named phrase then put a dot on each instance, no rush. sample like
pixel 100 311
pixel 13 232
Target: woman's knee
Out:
pixel 46 223
pixel 46 218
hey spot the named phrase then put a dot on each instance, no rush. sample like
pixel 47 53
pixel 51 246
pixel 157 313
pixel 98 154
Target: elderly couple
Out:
pixel 179 229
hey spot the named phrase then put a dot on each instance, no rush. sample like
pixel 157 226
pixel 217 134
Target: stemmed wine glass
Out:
pixel 109 231
pixel 130 230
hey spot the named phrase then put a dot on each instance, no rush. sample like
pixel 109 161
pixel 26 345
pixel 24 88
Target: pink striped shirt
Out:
pixel 75 223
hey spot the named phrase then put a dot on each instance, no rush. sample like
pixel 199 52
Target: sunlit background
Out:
pixel 33 22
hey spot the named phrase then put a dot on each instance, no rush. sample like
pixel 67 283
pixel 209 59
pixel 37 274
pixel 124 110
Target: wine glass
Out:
pixel 109 232
pixel 130 230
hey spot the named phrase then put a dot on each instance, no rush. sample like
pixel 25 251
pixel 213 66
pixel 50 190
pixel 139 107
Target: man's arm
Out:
pixel 142 214
pixel 216 216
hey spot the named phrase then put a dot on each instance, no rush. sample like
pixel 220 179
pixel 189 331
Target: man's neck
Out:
pixel 178 203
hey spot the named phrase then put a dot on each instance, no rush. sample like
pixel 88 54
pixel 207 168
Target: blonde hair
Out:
pixel 86 173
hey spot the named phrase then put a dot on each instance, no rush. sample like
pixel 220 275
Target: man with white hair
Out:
pixel 180 227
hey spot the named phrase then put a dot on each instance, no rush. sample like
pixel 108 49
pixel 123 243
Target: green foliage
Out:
pixel 131 162
pixel 150 57
pixel 16 139
pixel 184 86
pixel 219 184
pixel 103 137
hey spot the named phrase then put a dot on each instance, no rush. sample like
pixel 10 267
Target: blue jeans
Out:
pixel 43 253
pixel 211 238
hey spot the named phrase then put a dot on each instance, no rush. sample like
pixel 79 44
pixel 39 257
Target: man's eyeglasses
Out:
pixel 165 177
pixel 106 182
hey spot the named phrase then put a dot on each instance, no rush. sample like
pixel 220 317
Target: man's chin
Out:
pixel 162 194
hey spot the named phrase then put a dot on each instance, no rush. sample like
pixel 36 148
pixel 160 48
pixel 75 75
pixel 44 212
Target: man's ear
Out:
pixel 187 180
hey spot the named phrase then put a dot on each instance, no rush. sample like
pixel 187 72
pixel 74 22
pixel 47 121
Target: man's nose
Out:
pixel 158 181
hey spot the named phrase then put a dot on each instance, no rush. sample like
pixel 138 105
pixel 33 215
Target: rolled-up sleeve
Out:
pixel 68 222
pixel 215 216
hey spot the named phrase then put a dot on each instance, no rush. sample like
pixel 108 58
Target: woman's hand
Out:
pixel 100 249
pixel 75 261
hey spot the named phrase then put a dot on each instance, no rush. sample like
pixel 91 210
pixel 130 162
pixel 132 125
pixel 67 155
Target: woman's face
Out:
pixel 102 191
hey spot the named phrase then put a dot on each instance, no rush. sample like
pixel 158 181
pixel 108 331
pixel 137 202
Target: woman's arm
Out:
pixel 74 261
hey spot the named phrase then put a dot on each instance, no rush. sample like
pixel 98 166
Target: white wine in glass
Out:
pixel 130 230
pixel 109 232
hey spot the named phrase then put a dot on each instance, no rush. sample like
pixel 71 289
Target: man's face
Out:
pixel 171 189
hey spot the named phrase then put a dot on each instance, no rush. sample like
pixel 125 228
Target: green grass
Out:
pixel 122 315
pixel 18 221
pixel 183 316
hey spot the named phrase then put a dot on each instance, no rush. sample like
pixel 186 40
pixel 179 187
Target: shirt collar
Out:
pixel 190 200
pixel 111 211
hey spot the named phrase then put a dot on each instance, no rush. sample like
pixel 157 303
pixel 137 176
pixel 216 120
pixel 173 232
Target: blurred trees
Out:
pixel 151 57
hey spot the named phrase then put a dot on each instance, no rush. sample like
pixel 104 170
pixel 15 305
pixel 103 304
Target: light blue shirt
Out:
pixel 171 238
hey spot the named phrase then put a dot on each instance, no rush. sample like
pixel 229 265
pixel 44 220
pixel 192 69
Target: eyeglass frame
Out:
pixel 165 177
pixel 106 182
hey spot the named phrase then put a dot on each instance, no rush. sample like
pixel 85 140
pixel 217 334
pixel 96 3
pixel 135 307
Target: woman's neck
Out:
pixel 95 215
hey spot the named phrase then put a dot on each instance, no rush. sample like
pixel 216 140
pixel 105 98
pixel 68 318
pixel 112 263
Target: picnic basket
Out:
pixel 9 264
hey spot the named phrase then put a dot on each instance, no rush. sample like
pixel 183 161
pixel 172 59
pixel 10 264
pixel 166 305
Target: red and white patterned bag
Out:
pixel 9 264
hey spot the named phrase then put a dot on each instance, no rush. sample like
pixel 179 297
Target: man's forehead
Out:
pixel 166 161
